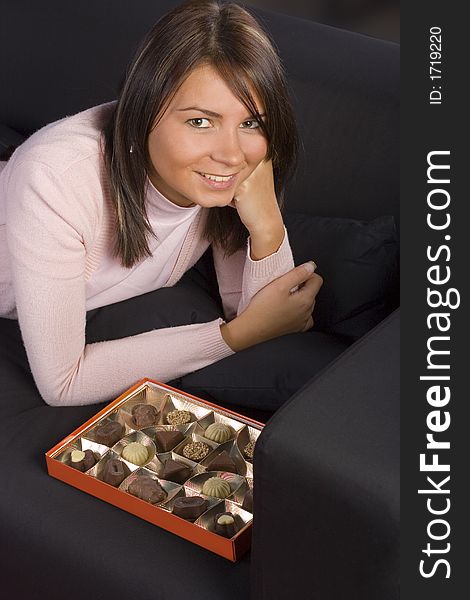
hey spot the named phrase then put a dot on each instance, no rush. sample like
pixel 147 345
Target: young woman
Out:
pixel 124 198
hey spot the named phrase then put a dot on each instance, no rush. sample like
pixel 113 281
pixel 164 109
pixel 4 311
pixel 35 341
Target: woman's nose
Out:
pixel 227 149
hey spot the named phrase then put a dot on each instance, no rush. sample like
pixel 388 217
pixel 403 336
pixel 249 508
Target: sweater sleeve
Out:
pixel 47 235
pixel 240 277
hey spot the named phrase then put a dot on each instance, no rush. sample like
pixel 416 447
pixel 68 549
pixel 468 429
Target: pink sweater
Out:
pixel 56 227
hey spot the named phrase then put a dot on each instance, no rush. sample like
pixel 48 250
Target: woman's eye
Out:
pixel 198 123
pixel 252 124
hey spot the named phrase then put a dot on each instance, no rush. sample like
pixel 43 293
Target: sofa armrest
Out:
pixel 327 481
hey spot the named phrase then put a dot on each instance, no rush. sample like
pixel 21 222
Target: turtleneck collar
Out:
pixel 156 199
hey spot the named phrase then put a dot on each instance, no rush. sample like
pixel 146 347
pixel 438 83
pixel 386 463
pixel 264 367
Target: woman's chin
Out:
pixel 215 202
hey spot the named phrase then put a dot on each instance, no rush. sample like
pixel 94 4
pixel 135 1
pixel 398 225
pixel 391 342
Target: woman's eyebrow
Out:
pixel 206 111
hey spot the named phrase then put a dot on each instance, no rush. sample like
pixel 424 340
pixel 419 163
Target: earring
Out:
pixel 131 149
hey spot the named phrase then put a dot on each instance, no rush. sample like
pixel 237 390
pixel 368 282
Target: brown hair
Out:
pixel 230 39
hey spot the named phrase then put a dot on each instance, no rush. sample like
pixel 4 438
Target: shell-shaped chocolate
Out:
pixel 217 487
pixel 218 432
pixel 135 453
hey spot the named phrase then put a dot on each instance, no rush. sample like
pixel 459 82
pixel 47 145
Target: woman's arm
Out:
pixel 240 277
pixel 47 233
pixel 268 254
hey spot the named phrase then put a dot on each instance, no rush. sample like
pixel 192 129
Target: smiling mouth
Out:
pixel 217 177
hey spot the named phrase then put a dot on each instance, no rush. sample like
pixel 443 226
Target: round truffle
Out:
pixel 135 453
pixel 196 451
pixel 147 489
pixel 217 487
pixel 144 415
pixel 178 417
pixel 218 432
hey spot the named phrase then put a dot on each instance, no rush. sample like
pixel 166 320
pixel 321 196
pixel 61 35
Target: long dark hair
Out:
pixel 202 32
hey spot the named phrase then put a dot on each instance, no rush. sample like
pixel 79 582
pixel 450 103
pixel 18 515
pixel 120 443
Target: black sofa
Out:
pixel 327 489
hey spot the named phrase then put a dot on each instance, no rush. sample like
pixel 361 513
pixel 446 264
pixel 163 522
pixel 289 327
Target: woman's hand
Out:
pixel 256 203
pixel 275 310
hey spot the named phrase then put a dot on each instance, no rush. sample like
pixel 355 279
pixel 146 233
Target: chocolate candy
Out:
pixel 167 440
pixel 178 417
pixel 217 487
pixel 82 461
pixel 109 433
pixel 248 450
pixel 135 453
pixel 218 432
pixel 147 489
pixel 196 451
pixel 222 462
pixel 248 501
pixel 114 472
pixel 144 415
pixel 190 507
pixel 224 524
pixel 175 471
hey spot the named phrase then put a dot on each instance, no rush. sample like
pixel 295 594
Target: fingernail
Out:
pixel 310 266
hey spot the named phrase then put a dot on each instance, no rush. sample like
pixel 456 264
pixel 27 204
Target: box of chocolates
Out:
pixel 168 457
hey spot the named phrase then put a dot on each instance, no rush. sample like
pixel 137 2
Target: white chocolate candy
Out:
pixel 218 432
pixel 225 520
pixel 135 453
pixel 217 487
pixel 77 455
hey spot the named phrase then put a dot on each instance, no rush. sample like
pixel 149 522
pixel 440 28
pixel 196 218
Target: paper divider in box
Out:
pixel 234 453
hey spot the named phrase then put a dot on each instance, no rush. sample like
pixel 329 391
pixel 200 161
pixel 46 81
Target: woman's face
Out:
pixel 205 131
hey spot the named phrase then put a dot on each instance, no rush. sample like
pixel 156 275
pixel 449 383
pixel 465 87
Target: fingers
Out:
pixel 308 325
pixel 312 285
pixel 295 277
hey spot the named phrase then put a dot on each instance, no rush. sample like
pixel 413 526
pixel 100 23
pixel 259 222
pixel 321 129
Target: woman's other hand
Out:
pixel 275 310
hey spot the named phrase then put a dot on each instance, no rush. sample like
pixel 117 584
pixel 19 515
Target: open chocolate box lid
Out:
pixel 147 453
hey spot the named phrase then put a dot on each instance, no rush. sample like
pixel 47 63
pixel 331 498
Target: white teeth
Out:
pixel 215 177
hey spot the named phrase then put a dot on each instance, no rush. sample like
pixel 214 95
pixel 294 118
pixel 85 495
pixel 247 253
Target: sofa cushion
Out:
pixel 358 261
pixel 9 141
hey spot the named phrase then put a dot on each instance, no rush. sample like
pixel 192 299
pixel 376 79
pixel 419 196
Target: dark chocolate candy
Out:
pixel 190 507
pixel 109 433
pixel 167 440
pixel 248 501
pixel 114 472
pixel 225 524
pixel 147 489
pixel 86 460
pixel 144 415
pixel 222 462
pixel 175 471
